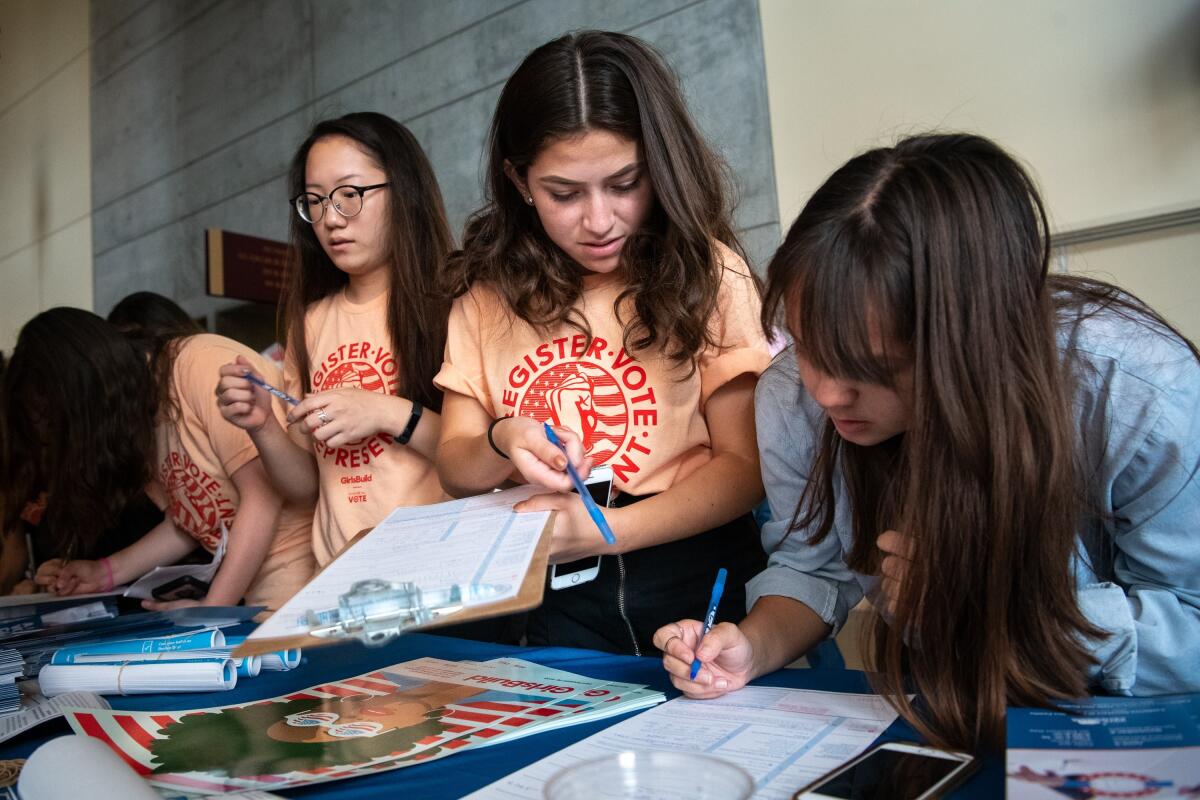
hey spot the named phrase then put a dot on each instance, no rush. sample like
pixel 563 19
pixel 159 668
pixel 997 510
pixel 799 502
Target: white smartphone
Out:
pixel 893 770
pixel 573 573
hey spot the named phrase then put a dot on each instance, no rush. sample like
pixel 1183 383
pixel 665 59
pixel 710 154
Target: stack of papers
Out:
pixel 784 738
pixel 11 667
pixel 390 718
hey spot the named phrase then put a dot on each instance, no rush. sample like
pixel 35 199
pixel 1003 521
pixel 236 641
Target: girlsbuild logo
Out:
pixel 359 365
pixel 197 504
pixel 602 394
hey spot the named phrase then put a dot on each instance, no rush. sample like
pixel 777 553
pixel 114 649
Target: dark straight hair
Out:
pixel 157 327
pixel 938 247
pixel 79 415
pixel 418 241
pixel 604 81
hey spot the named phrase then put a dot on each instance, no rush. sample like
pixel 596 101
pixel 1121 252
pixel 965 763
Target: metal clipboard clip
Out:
pixel 377 611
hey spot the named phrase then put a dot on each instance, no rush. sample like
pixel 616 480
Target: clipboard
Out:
pixel 528 596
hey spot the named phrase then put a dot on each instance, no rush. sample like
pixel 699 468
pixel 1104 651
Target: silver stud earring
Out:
pixel 529 199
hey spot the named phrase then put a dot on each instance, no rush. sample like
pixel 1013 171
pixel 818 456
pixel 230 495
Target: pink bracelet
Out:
pixel 108 569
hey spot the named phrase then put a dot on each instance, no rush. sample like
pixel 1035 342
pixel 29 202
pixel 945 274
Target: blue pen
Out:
pixel 588 503
pixel 284 396
pixel 718 590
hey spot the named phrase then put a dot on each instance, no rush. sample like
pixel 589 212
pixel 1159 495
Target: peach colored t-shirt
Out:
pixel 198 453
pixel 363 481
pixel 642 415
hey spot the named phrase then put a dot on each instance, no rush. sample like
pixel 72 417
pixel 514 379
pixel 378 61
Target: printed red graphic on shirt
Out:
pixel 196 503
pixel 603 395
pixel 358 365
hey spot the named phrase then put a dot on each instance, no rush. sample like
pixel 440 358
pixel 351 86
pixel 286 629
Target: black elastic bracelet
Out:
pixel 413 419
pixel 492 441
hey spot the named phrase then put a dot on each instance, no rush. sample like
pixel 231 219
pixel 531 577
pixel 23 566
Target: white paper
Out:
pixel 471 542
pixel 36 709
pixel 138 678
pixel 143 588
pixel 783 737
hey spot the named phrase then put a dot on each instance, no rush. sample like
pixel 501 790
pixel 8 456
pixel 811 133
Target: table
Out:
pixel 467 771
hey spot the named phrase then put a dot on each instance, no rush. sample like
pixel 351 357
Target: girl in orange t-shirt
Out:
pixel 201 470
pixel 602 290
pixel 364 332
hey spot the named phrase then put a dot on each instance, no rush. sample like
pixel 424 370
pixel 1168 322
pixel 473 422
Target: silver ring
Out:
pixel 321 415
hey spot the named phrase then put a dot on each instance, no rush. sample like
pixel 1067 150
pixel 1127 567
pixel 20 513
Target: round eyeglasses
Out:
pixel 346 200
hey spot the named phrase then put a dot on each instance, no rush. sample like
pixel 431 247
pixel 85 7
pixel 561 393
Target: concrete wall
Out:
pixel 197 107
pixel 1100 99
pixel 45 163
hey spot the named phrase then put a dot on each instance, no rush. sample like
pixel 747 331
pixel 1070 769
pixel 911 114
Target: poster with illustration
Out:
pixel 1106 747
pixel 382 720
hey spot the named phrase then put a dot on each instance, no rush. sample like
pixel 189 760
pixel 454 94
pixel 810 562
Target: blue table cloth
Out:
pixel 464 772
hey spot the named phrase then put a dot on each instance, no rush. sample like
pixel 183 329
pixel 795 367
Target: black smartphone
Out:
pixel 573 573
pixel 893 771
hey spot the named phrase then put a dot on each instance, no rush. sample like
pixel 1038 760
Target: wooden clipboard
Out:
pixel 527 597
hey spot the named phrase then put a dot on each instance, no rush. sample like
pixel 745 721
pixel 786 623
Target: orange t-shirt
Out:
pixel 199 451
pixel 361 482
pixel 642 415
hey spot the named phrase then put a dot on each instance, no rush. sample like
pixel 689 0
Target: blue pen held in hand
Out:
pixel 713 602
pixel 284 396
pixel 588 503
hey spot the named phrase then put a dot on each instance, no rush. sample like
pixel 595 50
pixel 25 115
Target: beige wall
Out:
pixel 1100 97
pixel 45 160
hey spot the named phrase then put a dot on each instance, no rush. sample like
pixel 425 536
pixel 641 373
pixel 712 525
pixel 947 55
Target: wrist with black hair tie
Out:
pixel 492 441
pixel 413 419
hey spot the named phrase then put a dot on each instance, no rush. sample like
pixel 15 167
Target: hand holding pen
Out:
pixel 593 510
pixel 240 401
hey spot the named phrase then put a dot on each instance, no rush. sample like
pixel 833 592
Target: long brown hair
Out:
pixel 940 244
pixel 598 80
pixel 418 241
pixel 79 416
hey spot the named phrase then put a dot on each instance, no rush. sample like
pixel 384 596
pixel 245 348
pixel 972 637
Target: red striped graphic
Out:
pixel 92 728
pixel 134 731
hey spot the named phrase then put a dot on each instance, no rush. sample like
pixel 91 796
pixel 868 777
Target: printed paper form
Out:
pixel 783 737
pixel 469 542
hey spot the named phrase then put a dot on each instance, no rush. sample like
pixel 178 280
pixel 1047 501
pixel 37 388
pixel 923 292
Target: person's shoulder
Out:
pixel 1133 344
pixel 204 349
pixel 779 384
pixel 733 266
pixel 781 403
pixel 318 311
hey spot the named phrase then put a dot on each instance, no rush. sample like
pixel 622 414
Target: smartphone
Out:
pixel 895 771
pixel 185 587
pixel 573 573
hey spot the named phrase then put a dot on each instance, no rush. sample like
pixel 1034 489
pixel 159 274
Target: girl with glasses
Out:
pixel 1003 459
pixel 115 409
pixel 364 331
pixel 602 290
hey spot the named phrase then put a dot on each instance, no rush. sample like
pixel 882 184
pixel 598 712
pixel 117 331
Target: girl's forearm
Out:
pixel 467 465
pixel 716 493
pixel 291 468
pixel 781 630
pixel 164 544
pixel 249 542
pixel 250 536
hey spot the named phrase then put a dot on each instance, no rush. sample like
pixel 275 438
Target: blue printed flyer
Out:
pixel 1131 747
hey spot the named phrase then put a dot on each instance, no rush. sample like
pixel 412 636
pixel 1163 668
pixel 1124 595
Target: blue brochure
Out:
pixel 1106 747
